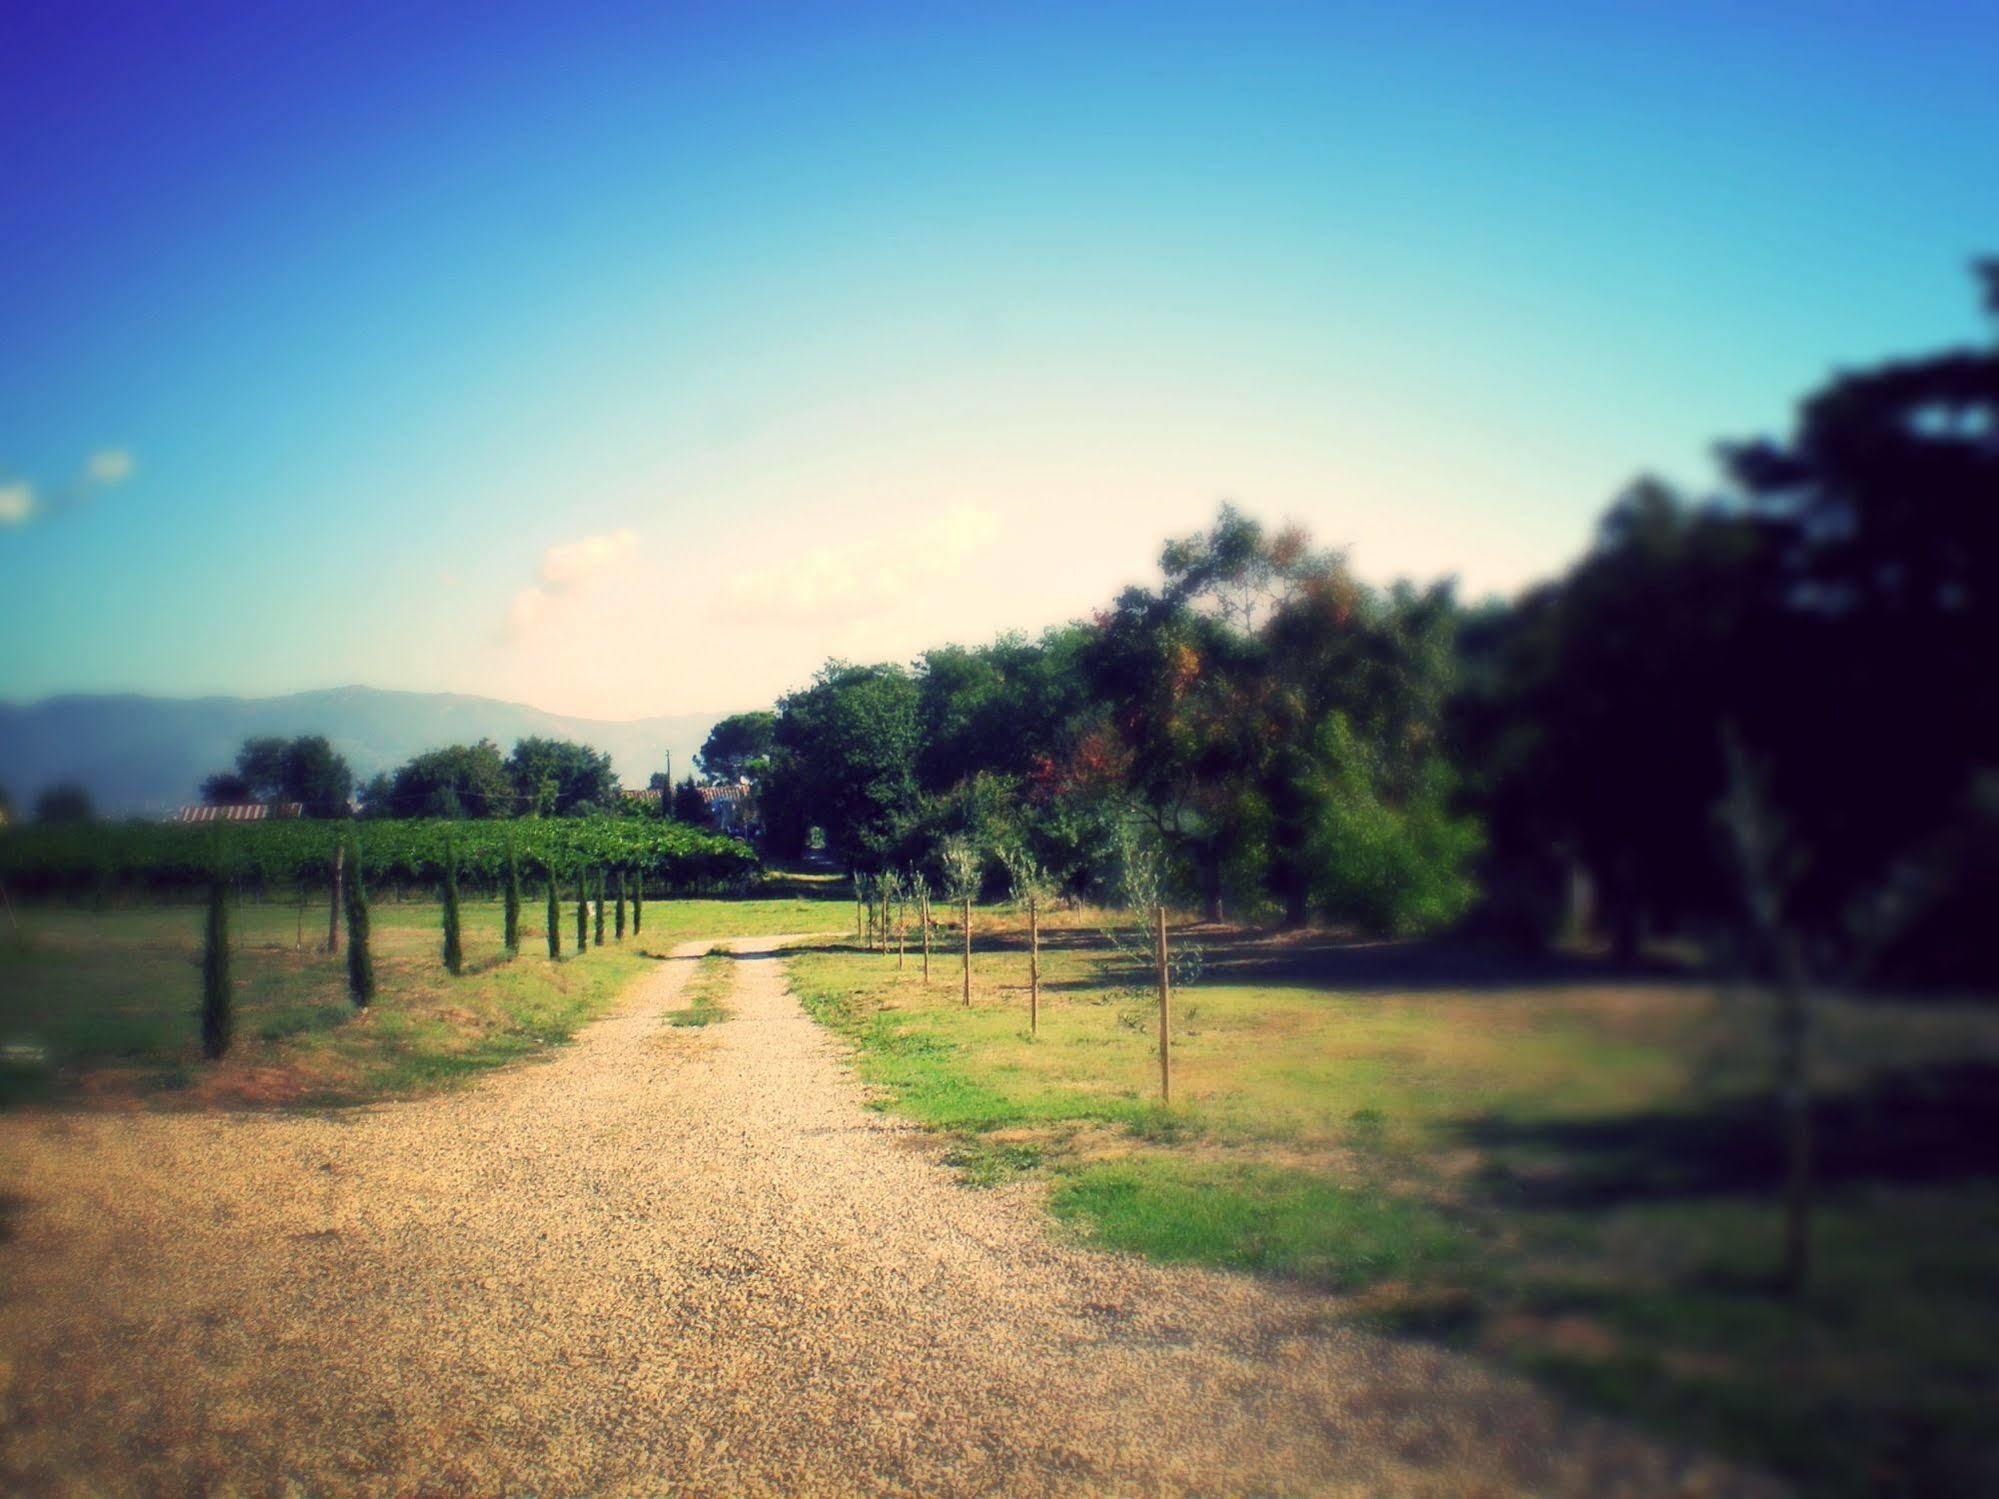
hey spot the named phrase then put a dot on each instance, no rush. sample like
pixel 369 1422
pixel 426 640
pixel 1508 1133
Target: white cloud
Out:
pixel 17 504
pixel 109 466
pixel 574 564
pixel 570 570
pixel 849 578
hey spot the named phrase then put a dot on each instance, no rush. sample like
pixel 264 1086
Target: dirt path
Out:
pixel 674 1261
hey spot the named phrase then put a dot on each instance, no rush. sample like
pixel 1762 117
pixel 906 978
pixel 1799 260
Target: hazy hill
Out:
pixel 148 754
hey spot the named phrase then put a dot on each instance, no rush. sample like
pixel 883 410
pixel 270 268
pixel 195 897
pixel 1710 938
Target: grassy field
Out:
pixel 1563 1168
pixel 101 1005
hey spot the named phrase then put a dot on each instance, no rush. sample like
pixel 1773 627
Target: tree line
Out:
pixel 1300 745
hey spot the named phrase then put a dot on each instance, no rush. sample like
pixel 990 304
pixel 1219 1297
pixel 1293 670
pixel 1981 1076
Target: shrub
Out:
pixel 513 901
pixel 360 961
pixel 454 937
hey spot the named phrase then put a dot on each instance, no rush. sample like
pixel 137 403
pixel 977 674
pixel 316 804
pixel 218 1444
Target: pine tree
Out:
pixel 454 938
pixel 618 899
pixel 217 1001
pixel 554 921
pixel 582 912
pixel 513 901
pixel 597 879
pixel 360 961
pixel 638 900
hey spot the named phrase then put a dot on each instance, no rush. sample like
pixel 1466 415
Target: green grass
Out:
pixel 1249 1217
pixel 97 1004
pixel 704 991
pixel 1565 1171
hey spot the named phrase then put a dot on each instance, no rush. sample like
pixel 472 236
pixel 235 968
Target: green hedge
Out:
pixel 176 856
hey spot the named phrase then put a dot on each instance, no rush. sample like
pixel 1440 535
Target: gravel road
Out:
pixel 677 1261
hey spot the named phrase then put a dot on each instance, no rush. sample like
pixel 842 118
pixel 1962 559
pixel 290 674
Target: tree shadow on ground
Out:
pixel 1908 1126
pixel 1344 964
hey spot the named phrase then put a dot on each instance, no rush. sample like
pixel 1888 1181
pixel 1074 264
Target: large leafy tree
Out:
pixel 1884 501
pixel 460 780
pixel 556 777
pixel 1824 617
pixel 316 776
pixel 1220 685
pixel 844 759
pixel 738 746
pixel 1593 711
pixel 306 770
pixel 65 802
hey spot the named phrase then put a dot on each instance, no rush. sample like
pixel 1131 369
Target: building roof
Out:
pixel 239 811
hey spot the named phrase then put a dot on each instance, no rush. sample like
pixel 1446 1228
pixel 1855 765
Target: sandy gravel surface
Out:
pixel 676 1261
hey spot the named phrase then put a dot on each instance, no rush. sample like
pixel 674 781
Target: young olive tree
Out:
pixel 964 869
pixel 919 888
pixel 1767 865
pixel 1031 887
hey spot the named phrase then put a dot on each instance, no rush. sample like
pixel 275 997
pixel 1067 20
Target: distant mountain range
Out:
pixel 144 755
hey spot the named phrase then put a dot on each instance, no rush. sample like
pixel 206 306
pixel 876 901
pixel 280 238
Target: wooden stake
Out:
pixel 925 918
pixel 901 930
pixel 1033 968
pixel 1165 1004
pixel 968 952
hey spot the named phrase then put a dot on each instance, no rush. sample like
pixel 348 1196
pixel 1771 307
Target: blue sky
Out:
pixel 630 360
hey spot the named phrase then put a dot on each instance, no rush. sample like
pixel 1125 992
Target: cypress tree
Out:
pixel 638 900
pixel 217 1001
pixel 513 900
pixel 582 912
pixel 618 896
pixel 597 879
pixel 454 941
pixel 554 920
pixel 360 961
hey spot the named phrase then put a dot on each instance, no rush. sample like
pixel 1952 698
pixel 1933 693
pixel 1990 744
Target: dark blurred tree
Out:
pixel 378 796
pixel 738 746
pixel 1832 613
pixel 227 788
pixel 65 802
pixel 261 764
pixel 1884 712
pixel 315 776
pixel 689 805
pixel 305 770
pixel 1593 707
